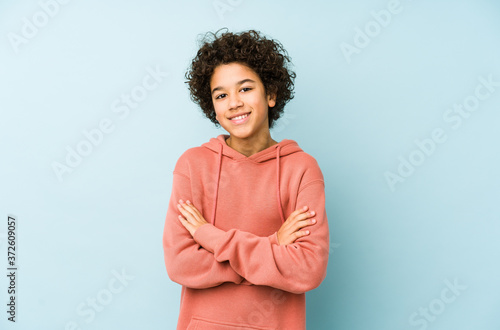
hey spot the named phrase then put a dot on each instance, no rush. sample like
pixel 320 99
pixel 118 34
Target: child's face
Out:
pixel 237 89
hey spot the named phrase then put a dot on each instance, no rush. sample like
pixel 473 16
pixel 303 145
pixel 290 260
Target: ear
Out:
pixel 271 100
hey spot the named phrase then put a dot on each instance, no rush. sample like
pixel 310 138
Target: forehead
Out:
pixel 229 74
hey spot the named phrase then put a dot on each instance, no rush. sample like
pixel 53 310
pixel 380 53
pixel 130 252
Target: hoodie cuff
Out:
pixel 273 238
pixel 208 236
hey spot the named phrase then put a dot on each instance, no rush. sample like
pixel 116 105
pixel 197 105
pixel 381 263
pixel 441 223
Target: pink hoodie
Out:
pixel 233 272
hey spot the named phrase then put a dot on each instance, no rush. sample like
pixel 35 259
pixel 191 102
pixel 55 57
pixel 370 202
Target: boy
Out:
pixel 246 232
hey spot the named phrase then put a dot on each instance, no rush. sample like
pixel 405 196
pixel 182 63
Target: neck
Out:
pixel 251 145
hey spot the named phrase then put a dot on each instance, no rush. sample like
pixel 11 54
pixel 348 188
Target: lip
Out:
pixel 240 121
pixel 239 114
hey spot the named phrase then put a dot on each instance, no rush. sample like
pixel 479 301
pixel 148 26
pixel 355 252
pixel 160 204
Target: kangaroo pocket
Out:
pixel 200 323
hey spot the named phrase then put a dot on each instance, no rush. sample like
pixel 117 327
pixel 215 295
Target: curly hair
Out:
pixel 266 57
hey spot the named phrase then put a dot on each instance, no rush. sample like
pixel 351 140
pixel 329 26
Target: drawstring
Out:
pixel 217 183
pixel 277 183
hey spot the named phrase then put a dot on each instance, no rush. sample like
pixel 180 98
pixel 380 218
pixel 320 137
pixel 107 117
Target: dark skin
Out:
pixel 237 89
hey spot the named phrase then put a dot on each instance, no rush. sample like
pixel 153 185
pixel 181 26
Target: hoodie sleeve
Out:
pixel 297 267
pixel 186 262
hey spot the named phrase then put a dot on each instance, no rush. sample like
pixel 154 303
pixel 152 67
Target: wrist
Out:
pixel 208 236
pixel 274 238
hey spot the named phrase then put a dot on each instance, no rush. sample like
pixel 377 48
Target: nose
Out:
pixel 235 101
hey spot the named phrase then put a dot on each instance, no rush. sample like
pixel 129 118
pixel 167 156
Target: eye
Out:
pixel 246 89
pixel 220 96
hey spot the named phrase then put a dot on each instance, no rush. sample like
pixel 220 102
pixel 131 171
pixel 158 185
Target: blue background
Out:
pixel 395 247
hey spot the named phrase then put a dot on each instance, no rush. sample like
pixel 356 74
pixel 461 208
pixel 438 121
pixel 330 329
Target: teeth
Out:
pixel 240 117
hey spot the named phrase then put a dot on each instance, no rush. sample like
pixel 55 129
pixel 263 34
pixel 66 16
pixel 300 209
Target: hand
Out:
pixel 290 229
pixel 191 218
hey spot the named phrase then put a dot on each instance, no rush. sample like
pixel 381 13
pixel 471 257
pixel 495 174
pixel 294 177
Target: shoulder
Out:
pixel 307 165
pixel 304 158
pixel 190 157
pixel 194 153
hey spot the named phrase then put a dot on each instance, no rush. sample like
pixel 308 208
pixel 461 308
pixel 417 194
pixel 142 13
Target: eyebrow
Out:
pixel 241 82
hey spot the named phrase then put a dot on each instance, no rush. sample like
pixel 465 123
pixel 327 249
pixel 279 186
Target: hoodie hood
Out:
pixel 281 149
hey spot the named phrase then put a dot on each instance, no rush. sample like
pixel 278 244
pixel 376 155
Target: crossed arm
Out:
pixel 199 255
pixel 291 229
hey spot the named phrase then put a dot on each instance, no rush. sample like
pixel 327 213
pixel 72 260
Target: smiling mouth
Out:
pixel 240 117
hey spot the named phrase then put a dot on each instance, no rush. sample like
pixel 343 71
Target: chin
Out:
pixel 239 134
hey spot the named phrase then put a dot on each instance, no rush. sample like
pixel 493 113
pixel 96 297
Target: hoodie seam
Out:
pixel 182 174
pixel 311 183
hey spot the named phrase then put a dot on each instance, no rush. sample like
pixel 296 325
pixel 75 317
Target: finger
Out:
pixel 186 224
pixel 187 215
pixel 195 217
pixel 190 209
pixel 183 221
pixel 182 209
pixel 299 211
pixel 198 217
pixel 300 217
pixel 303 208
pixel 304 223
pixel 193 208
pixel 301 233
pixel 294 214
pixel 305 215
pixel 186 209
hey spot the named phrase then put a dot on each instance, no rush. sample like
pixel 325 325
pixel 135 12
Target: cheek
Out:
pixel 218 114
pixel 216 110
